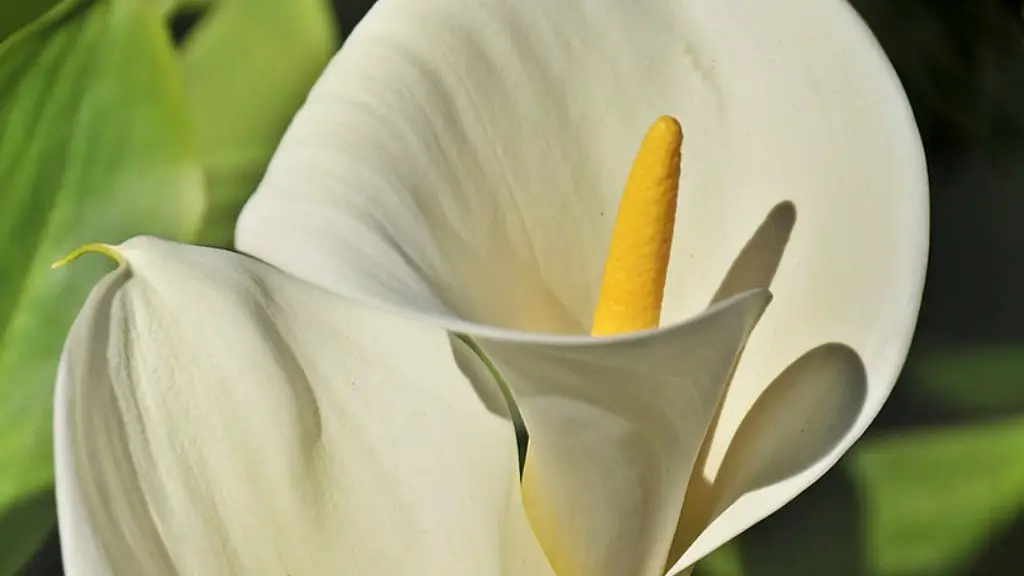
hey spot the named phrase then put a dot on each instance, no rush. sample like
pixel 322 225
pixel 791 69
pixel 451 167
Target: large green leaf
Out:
pixel 726 561
pixel 920 503
pixel 248 66
pixel 23 528
pixel 17 13
pixel 933 500
pixel 819 533
pixel 970 381
pixel 95 145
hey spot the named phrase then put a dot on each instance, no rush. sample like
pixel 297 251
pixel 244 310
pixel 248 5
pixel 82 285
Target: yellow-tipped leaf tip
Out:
pixel 634 276
pixel 95 248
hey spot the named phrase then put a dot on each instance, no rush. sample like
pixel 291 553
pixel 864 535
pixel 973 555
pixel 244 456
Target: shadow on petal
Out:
pixel 759 259
pixel 754 267
pixel 489 389
pixel 801 416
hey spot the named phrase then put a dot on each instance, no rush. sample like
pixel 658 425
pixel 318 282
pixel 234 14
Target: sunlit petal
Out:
pixel 615 426
pixel 468 157
pixel 464 159
pixel 215 416
pixel 799 419
pixel 823 123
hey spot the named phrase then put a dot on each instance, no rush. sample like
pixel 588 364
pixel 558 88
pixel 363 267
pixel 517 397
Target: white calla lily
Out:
pixel 457 170
pixel 465 159
pixel 218 416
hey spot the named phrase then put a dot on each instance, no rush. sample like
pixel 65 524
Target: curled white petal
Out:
pixel 215 416
pixel 464 159
pixel 615 429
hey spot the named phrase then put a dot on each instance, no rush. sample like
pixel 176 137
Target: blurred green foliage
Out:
pixel 112 125
pixel 91 124
pixel 15 15
pixel 969 380
pixel 930 502
pixel 23 528
pixel 247 66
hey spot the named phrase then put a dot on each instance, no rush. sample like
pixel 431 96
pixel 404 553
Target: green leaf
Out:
pixel 171 6
pixel 94 147
pixel 248 66
pixel 726 561
pixel 933 500
pixel 14 14
pixel 942 502
pixel 23 529
pixel 820 532
pixel 970 380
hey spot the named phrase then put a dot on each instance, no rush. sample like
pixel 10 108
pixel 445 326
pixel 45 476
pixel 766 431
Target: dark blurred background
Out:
pixel 937 485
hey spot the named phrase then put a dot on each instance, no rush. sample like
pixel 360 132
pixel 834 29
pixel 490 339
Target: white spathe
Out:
pixel 218 416
pixel 465 158
pixel 457 169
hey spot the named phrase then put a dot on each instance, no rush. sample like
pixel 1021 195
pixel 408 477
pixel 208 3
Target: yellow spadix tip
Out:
pixel 95 247
pixel 634 273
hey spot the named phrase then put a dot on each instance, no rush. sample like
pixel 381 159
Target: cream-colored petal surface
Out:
pixel 828 128
pixel 801 416
pixel 466 157
pixel 615 426
pixel 215 416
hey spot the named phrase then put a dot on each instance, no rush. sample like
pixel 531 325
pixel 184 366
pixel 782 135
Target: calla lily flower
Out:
pixel 426 260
